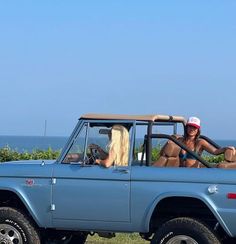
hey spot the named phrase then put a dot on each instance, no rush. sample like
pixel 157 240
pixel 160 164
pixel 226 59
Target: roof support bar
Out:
pixel 149 144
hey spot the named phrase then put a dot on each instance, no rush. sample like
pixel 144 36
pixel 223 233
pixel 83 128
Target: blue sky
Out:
pixel 60 59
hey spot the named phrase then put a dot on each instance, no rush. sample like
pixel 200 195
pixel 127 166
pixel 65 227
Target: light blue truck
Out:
pixel 64 201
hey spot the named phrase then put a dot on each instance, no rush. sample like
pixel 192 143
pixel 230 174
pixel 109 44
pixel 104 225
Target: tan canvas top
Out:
pixel 148 117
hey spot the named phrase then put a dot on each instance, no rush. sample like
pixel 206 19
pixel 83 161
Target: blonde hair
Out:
pixel 119 145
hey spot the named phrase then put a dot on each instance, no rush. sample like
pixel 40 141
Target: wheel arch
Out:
pixel 11 198
pixel 174 205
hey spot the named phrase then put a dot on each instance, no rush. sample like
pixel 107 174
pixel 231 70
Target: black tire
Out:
pixel 78 238
pixel 184 230
pixel 15 227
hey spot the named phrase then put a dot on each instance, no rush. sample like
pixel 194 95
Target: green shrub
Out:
pixel 214 159
pixel 8 154
pixel 156 153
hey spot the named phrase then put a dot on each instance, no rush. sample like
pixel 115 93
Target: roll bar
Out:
pixel 180 144
pixel 210 141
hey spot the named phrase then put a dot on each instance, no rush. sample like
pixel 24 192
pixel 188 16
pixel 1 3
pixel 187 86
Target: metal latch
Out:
pixel 53 207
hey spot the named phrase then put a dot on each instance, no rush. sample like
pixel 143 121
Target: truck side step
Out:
pixel 106 234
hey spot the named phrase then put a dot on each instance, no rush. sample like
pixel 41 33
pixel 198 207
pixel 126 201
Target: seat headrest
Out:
pixel 230 155
pixel 171 149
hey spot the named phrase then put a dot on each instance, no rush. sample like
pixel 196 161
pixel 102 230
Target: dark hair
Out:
pixel 186 133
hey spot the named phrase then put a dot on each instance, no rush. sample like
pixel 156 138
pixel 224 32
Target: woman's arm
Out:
pixel 72 157
pixel 102 153
pixel 107 162
pixel 213 150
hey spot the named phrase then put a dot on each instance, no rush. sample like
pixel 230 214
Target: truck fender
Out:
pixel 23 198
pixel 210 205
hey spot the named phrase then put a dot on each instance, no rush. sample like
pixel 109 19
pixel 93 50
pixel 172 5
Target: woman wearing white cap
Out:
pixel 193 142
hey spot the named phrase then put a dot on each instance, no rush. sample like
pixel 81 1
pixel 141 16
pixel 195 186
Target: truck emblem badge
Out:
pixel 29 182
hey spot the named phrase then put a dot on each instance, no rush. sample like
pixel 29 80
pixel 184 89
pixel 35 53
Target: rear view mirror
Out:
pixel 104 131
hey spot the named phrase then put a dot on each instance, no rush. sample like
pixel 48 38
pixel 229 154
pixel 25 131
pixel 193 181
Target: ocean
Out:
pixel 30 143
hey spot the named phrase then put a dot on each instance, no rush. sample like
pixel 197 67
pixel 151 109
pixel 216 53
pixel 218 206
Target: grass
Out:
pixel 120 238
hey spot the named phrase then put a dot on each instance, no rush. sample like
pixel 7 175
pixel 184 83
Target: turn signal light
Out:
pixel 231 195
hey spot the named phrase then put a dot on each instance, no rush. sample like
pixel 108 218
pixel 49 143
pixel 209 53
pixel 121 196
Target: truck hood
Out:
pixel 40 161
pixel 27 168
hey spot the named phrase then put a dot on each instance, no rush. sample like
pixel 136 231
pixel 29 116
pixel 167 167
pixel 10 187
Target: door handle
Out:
pixel 123 171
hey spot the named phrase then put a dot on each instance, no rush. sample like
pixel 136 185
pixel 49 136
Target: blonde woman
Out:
pixel 118 148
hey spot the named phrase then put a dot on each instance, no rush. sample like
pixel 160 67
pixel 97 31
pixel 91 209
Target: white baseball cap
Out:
pixel 194 121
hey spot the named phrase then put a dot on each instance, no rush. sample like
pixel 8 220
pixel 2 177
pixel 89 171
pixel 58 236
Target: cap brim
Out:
pixel 194 125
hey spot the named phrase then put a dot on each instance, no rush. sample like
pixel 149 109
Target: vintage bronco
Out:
pixel 64 201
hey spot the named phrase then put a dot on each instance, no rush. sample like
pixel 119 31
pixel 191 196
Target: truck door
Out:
pixel 83 192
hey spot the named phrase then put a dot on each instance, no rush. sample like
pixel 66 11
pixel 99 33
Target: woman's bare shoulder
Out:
pixel 201 141
pixel 176 136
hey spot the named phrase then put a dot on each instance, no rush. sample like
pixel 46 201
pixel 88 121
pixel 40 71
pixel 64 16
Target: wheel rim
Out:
pixel 182 239
pixel 9 235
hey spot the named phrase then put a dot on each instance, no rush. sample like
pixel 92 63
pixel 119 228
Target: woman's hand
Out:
pixel 231 147
pixel 98 161
pixel 94 146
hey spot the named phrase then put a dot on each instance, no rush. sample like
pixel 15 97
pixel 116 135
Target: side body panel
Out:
pixel 32 184
pixel 91 197
pixel 149 185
